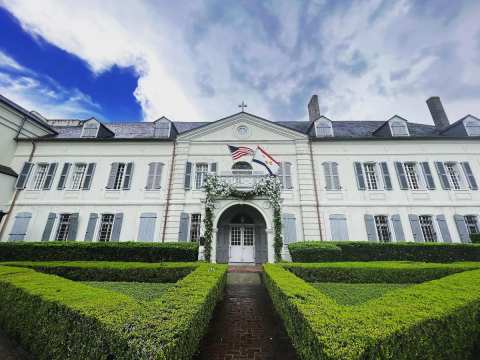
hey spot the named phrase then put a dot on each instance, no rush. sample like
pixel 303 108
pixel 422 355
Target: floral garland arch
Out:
pixel 217 189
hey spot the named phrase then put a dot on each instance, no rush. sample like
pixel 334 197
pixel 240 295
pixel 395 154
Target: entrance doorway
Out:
pixel 242 243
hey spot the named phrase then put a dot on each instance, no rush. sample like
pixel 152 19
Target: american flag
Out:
pixel 239 151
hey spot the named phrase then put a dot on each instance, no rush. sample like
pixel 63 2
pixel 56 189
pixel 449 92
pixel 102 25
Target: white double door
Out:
pixel 242 243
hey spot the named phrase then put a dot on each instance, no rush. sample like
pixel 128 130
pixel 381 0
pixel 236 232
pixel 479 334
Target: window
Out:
pixel 428 230
pixel 242 168
pixel 399 128
pixel 117 184
pixel 154 179
pixel 63 227
pixel 371 176
pixel 383 230
pixel 201 172
pixel 162 128
pixel 323 128
pixel 195 227
pixel 90 130
pixel 332 180
pixel 285 175
pixel 472 224
pixel 106 225
pixel 78 176
pixel 472 127
pixel 453 174
pixel 412 176
pixel 39 177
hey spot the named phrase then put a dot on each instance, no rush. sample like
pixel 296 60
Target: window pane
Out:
pixel 78 175
pixel 117 185
pixel 195 227
pixel 106 225
pixel 383 231
pixel 412 178
pixel 200 175
pixel 63 227
pixel 39 176
pixel 371 175
pixel 472 224
pixel 428 229
pixel 454 175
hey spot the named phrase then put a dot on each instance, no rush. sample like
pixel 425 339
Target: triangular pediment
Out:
pixel 242 127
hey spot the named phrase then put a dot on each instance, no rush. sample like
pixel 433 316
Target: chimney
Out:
pixel 439 116
pixel 313 108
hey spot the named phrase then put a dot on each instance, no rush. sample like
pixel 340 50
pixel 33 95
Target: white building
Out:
pixel 386 181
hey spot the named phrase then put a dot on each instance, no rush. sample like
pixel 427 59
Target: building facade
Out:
pixel 386 181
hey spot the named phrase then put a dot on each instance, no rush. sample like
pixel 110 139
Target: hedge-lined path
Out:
pixel 9 350
pixel 245 325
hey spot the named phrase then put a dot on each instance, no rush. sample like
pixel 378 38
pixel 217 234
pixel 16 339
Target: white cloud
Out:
pixel 6 62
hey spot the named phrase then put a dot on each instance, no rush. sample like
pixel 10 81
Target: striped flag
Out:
pixel 239 151
pixel 263 158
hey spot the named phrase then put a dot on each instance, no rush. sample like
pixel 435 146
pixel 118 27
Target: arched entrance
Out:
pixel 241 236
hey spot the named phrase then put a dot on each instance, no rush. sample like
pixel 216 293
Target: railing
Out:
pixel 242 180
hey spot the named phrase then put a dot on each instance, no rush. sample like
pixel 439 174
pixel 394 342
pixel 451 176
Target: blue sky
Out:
pixel 197 60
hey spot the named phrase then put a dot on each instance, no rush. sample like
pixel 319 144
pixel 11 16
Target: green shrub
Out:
pixel 438 319
pixel 317 251
pixel 56 318
pixel 98 251
pixel 475 238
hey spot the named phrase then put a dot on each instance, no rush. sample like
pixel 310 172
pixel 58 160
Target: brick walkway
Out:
pixel 244 325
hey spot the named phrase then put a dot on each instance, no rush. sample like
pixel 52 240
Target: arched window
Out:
pixel 90 129
pixel 242 168
pixel 399 127
pixel 472 126
pixel 242 219
pixel 323 128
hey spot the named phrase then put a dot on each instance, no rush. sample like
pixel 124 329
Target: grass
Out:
pixel 355 294
pixel 137 290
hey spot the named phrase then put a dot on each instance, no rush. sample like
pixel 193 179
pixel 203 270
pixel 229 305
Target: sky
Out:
pixel 196 60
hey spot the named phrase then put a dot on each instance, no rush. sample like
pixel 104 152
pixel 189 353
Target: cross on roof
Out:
pixel 243 106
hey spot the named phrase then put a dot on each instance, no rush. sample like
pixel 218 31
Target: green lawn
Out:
pixel 136 290
pixel 354 294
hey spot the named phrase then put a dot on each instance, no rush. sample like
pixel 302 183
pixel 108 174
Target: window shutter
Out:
pixel 20 226
pixel 397 228
pixel 213 167
pixel 49 226
pixel 359 176
pixel 338 227
pixel 117 227
pixel 442 225
pixel 289 228
pixel 24 175
pixel 63 176
pixel 52 168
pixel 112 176
pixel 442 174
pixel 157 184
pixel 287 174
pixel 92 223
pixel 72 227
pixel 146 229
pixel 427 174
pixel 462 228
pixel 387 181
pixel 327 169
pixel 402 178
pixel 416 229
pixel 371 228
pixel 89 176
pixel 335 177
pixel 188 175
pixel 183 227
pixel 150 176
pixel 128 176
pixel 472 183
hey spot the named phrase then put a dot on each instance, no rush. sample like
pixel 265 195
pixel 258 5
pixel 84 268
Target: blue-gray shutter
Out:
pixel 462 228
pixel 359 176
pixel 398 228
pixel 289 228
pixel 89 176
pixel 335 177
pixel 157 184
pixel 112 176
pixel 327 169
pixel 371 228
pixel 213 167
pixel 472 183
pixel 146 229
pixel 442 225
pixel 338 227
pixel 72 227
pixel 117 227
pixel 24 175
pixel 416 229
pixel 387 181
pixel 188 175
pixel 20 226
pixel 183 227
pixel 402 178
pixel 63 176
pixel 92 223
pixel 287 175
pixel 128 176
pixel 49 226
pixel 442 174
pixel 427 174
pixel 52 168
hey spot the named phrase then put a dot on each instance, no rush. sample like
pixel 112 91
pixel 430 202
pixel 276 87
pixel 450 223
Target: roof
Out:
pixel 7 171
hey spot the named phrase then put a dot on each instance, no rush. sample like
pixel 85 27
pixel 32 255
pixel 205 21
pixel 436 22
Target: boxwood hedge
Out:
pixel 56 318
pixel 438 319
pixel 98 251
pixel 317 251
pixel 475 238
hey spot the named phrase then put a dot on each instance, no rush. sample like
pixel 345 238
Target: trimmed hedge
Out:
pixel 98 251
pixel 475 238
pixel 318 251
pixel 438 319
pixel 56 318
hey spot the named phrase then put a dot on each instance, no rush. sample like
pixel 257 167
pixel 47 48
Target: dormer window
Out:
pixel 472 126
pixel 323 128
pixel 399 127
pixel 90 129
pixel 162 128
